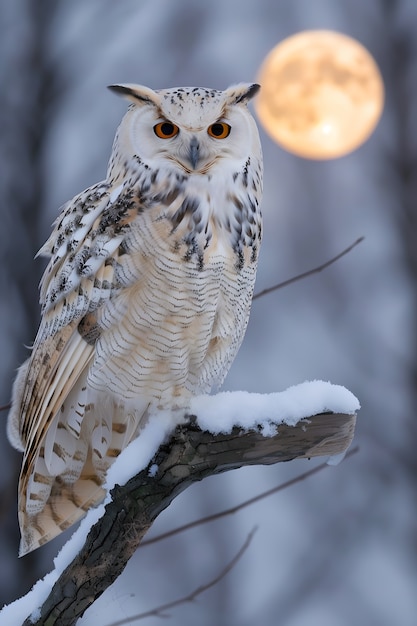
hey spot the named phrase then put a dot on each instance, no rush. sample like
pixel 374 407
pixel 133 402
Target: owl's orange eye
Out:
pixel 166 130
pixel 219 130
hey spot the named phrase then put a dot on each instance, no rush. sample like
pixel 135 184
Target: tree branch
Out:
pixel 189 456
pixel 315 270
pixel 242 505
pixel 190 597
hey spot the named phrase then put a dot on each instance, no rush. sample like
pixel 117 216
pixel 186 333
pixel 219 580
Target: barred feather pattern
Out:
pixel 145 300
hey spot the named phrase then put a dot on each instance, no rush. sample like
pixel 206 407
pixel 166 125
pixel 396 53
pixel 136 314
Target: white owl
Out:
pixel 146 297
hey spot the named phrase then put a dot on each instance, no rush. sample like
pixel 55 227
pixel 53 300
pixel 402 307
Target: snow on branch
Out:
pixel 226 431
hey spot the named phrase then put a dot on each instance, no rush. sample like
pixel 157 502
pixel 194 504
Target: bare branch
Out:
pixel 190 455
pixel 234 509
pixel 5 407
pixel 316 270
pixel 158 612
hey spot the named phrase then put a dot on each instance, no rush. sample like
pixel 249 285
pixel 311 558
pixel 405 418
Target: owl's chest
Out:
pixel 204 226
pixel 183 265
pixel 188 269
pixel 181 271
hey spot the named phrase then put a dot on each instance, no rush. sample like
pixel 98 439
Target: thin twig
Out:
pixel 159 611
pixel 316 270
pixel 242 505
pixel 5 407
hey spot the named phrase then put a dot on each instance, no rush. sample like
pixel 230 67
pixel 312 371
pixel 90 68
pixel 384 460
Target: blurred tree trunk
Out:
pixel 25 97
pixel 402 87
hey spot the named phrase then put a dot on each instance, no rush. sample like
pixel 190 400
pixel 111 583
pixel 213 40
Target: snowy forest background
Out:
pixel 341 547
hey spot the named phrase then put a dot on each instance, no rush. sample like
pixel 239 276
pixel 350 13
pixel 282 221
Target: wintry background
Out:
pixel 341 547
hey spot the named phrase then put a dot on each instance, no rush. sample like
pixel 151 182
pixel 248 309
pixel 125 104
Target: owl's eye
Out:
pixel 219 130
pixel 166 130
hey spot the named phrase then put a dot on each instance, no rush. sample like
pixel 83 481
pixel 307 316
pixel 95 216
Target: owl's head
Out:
pixel 190 128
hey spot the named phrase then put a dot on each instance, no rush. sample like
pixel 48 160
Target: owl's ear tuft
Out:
pixel 242 93
pixel 138 94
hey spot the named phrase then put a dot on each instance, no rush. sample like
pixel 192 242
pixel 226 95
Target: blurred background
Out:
pixel 341 547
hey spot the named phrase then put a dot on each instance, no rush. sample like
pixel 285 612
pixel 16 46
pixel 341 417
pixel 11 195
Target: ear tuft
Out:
pixel 241 94
pixel 138 94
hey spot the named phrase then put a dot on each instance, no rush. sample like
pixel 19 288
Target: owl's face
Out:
pixel 192 129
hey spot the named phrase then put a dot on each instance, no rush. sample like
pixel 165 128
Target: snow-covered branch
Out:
pixel 228 431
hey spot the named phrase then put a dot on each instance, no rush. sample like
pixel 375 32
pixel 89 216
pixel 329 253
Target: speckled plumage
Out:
pixel 146 297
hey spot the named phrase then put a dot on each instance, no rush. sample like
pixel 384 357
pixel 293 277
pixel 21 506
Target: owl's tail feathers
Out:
pixel 110 436
pixel 66 505
pixel 71 467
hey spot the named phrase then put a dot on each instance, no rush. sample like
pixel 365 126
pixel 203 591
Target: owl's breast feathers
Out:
pixel 156 254
pixel 183 282
pixel 145 302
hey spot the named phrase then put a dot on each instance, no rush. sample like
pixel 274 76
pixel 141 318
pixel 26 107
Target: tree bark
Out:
pixel 190 455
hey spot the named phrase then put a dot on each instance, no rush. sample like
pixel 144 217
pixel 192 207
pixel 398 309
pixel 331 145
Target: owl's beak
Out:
pixel 194 152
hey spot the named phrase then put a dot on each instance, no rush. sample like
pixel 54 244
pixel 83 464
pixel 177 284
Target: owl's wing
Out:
pixel 86 247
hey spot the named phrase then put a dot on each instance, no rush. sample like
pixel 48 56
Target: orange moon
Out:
pixel 321 94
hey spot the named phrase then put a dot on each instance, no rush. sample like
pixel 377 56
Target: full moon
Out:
pixel 321 94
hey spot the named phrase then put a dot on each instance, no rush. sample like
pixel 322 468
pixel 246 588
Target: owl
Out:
pixel 146 297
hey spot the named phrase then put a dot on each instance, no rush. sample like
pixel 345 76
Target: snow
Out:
pixel 217 414
pixel 153 470
pixel 220 413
